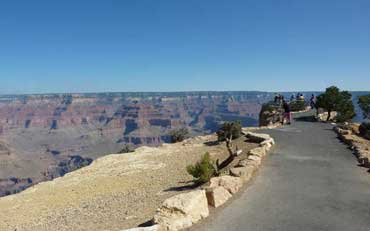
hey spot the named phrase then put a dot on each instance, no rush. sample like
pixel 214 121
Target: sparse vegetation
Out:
pixel 229 130
pixel 126 149
pixel 335 100
pixel 298 105
pixel 179 135
pixel 203 170
pixel 364 102
pixel 365 130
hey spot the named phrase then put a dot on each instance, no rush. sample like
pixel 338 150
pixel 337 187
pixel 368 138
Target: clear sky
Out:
pixel 181 45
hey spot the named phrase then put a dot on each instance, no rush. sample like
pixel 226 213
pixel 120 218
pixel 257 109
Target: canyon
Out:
pixel 45 136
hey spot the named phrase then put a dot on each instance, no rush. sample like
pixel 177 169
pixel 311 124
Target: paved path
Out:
pixel 310 182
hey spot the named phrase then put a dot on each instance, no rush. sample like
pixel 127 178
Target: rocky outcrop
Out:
pixel 270 114
pixel 183 210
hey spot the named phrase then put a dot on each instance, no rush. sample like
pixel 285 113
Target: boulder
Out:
pixel 270 141
pixel 245 173
pixel 183 210
pixel 246 162
pixel 254 158
pixel 267 147
pixel 257 137
pixel 217 196
pixel 230 183
pixel 151 228
pixel 261 152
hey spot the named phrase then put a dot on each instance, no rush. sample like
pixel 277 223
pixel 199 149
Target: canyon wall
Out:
pixel 45 136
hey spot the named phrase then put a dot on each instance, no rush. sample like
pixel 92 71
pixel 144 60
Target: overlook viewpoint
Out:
pixel 174 115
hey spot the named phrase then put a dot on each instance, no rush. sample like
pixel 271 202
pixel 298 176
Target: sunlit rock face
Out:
pixel 39 132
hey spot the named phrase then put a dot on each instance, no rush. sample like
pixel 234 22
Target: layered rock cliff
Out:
pixel 45 136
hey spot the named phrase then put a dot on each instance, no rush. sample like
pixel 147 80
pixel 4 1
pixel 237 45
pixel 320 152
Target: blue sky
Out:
pixel 176 45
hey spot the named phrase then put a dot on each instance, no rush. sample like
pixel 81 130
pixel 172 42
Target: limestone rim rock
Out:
pixel 260 152
pixel 183 210
pixel 254 157
pixel 257 137
pixel 246 162
pixel 217 196
pixel 230 183
pixel 245 173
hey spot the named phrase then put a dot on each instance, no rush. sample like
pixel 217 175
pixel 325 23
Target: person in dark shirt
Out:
pixel 287 112
pixel 313 101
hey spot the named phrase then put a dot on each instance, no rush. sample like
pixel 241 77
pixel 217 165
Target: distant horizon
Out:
pixel 156 92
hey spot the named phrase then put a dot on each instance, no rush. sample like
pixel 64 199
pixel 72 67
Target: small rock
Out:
pixel 267 147
pixel 270 141
pixel 261 152
pixel 217 196
pixel 254 157
pixel 246 162
pixel 230 183
pixel 245 173
pixel 183 210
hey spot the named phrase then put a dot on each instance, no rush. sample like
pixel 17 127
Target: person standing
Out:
pixel 287 112
pixel 313 101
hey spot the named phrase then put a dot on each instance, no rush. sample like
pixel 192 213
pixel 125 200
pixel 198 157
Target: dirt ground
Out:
pixel 115 192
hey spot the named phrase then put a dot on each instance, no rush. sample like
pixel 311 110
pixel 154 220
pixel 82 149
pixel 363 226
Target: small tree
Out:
pixel 364 102
pixel 346 109
pixel 335 100
pixel 229 130
pixel 203 170
pixel 179 135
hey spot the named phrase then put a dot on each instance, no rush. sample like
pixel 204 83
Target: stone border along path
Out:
pixel 361 151
pixel 184 210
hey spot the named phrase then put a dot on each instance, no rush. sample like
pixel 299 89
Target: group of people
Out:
pixel 299 96
pixel 279 99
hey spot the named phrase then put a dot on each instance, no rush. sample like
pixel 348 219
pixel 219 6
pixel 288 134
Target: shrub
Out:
pixel 365 130
pixel 229 129
pixel 297 105
pixel 203 170
pixel 364 102
pixel 179 135
pixel 335 100
pixel 126 149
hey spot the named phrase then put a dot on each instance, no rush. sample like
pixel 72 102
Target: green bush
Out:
pixel 297 105
pixel 270 107
pixel 230 129
pixel 335 100
pixel 364 102
pixel 365 130
pixel 179 135
pixel 203 170
pixel 126 149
